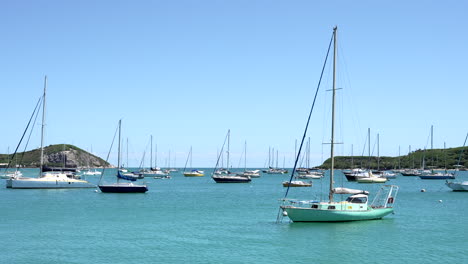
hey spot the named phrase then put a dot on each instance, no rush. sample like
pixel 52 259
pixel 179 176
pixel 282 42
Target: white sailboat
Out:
pixel 355 207
pixel 192 172
pixel 248 173
pixel 459 186
pixel 50 179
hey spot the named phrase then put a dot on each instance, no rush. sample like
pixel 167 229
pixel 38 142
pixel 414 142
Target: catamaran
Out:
pixel 46 179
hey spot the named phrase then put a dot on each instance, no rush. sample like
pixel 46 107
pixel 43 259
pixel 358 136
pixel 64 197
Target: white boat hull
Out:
pixel 458 186
pixel 371 180
pixel 41 183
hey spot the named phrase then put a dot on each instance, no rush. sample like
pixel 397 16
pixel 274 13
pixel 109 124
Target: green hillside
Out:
pixel 435 158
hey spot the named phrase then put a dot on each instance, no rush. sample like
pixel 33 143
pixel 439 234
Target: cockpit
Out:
pixel 357 199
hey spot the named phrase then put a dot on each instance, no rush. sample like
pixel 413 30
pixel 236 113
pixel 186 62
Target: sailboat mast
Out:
pixel 399 158
pixel 118 156
pixel 43 125
pixel 276 158
pixel 368 147
pixel 151 154
pixel 227 162
pixel 332 154
pixel 269 156
pixel 378 152
pixel 432 139
pixel 245 156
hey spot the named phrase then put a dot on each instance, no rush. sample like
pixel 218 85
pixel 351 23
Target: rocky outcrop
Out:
pixel 56 156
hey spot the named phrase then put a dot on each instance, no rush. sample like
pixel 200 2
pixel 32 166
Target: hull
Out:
pixel 299 214
pixel 409 174
pixel 351 177
pixel 436 177
pixel 371 180
pixel 38 183
pixel 458 186
pixel 117 188
pixel 231 179
pixel 297 184
pixel 189 174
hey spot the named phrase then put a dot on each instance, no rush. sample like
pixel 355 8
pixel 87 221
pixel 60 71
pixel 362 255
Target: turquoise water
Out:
pixel 195 220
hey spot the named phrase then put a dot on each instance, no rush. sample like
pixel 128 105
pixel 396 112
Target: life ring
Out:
pixel 390 200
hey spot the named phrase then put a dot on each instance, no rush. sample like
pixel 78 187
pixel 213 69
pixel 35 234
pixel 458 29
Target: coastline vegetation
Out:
pixel 435 158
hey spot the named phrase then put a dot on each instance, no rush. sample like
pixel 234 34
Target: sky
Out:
pixel 186 71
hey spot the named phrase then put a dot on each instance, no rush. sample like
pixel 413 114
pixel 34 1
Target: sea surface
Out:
pixel 195 220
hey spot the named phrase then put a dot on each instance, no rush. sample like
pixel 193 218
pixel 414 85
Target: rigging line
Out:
pixel 221 153
pixel 308 119
pixel 142 159
pixel 108 154
pixel 364 150
pixel 24 133
pixel 142 162
pixel 30 133
pixel 461 152
pixel 240 159
pixel 190 153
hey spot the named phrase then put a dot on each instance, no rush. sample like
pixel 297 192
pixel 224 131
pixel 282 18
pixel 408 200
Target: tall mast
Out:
pixel 156 157
pixel 118 156
pixel 227 161
pixel 43 124
pixel 308 153
pixel 368 147
pixel 332 172
pixel 245 156
pixel 151 153
pixel 269 156
pixel 432 131
pixel 276 158
pixel 378 152
pixel 399 158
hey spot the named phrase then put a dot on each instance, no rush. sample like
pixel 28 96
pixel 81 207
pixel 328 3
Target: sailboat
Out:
pixel 249 173
pixel 155 172
pixel 224 175
pixel 463 185
pixel 122 187
pixel 271 169
pixel 49 179
pixel 356 206
pixel 192 172
pixel 371 178
pixel 90 171
pixel 435 175
pixel 308 172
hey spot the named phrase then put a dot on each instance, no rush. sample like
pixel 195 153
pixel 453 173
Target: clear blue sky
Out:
pixel 187 71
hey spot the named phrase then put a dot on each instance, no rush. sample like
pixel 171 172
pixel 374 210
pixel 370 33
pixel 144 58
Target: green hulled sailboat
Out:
pixel 355 207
